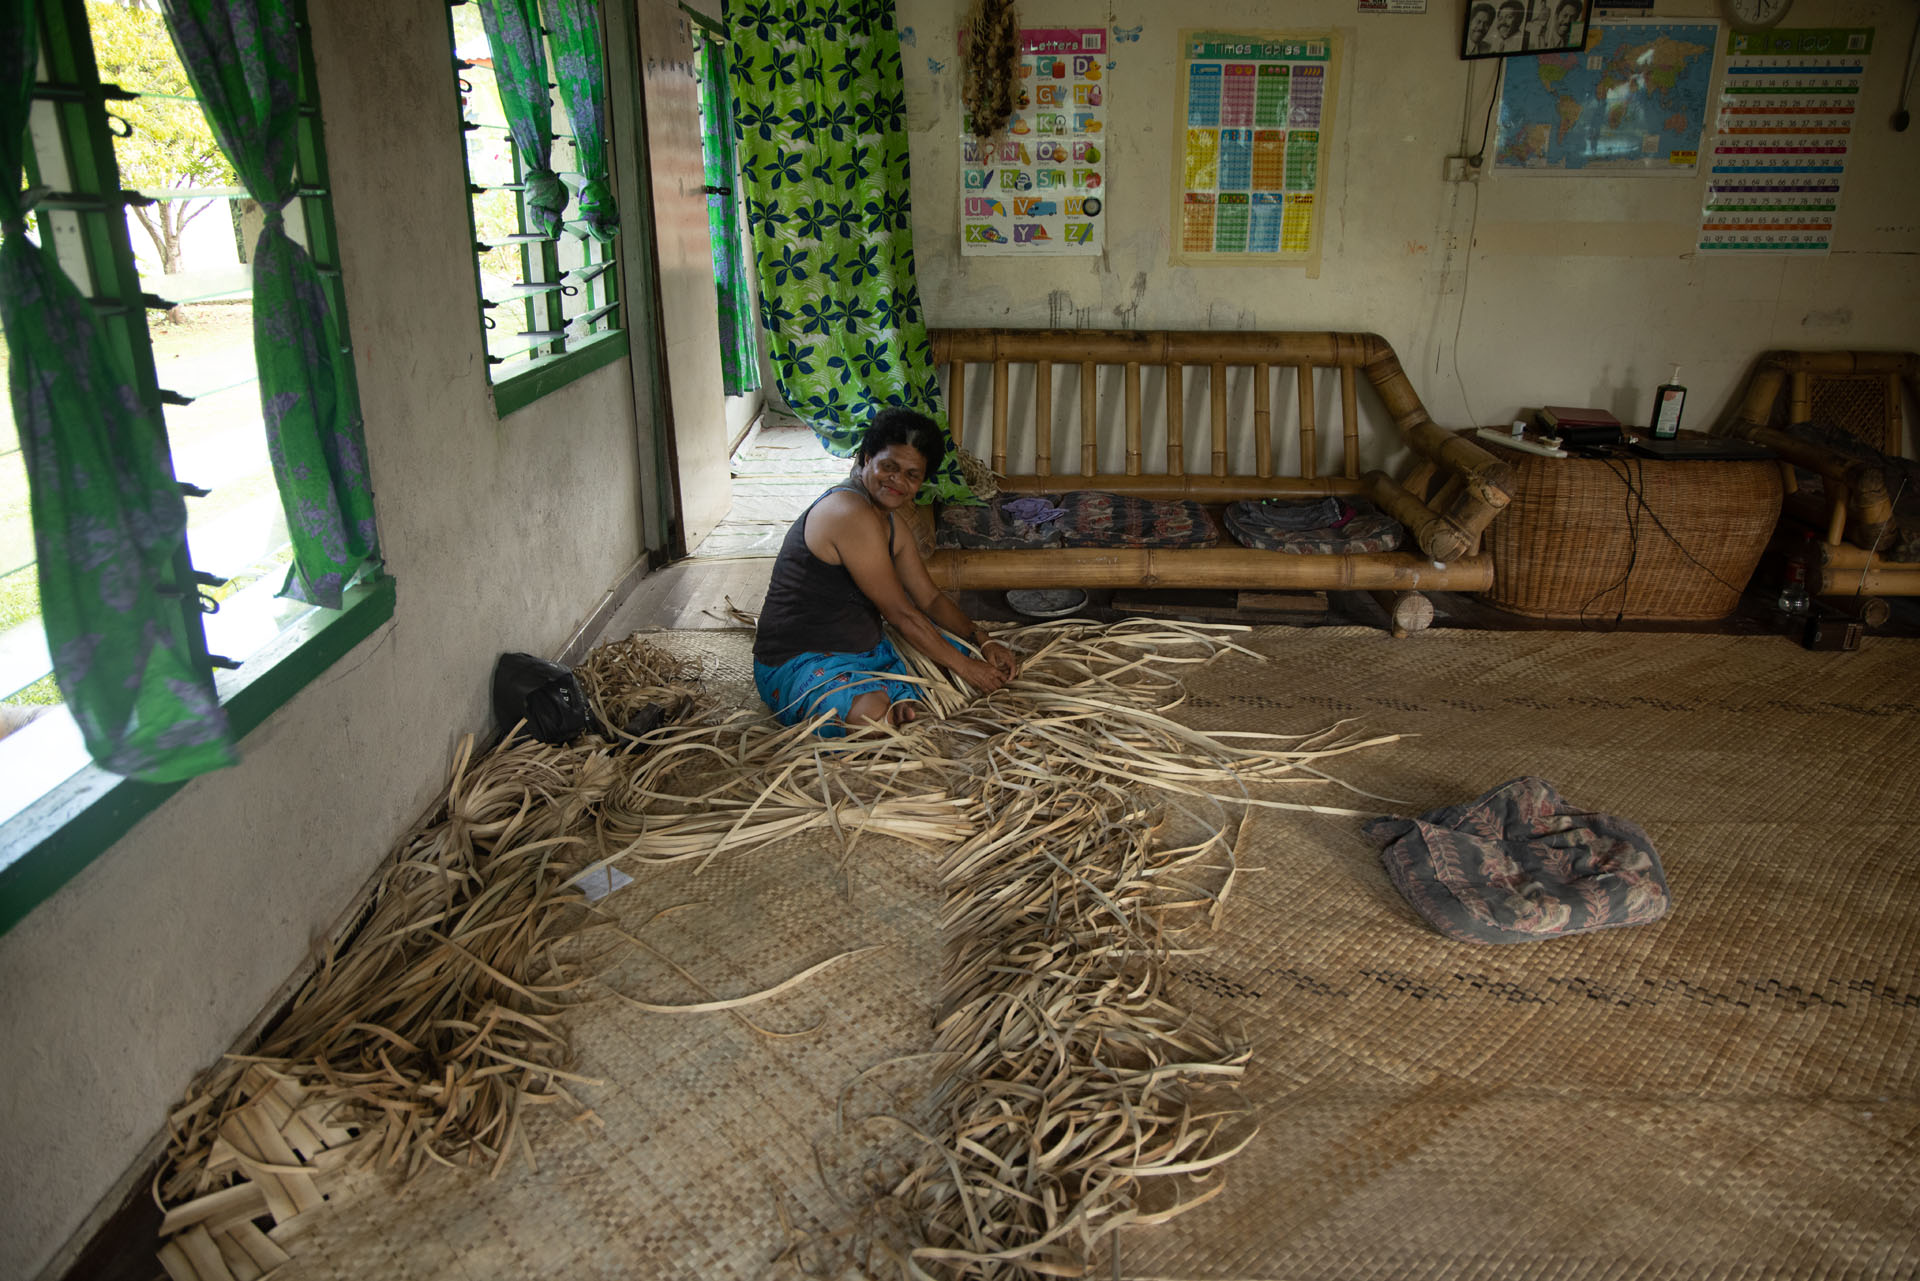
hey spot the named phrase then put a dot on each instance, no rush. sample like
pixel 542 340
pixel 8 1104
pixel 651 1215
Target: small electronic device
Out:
pixel 1597 437
pixel 1825 630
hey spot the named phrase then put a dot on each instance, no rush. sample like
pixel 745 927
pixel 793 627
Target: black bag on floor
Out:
pixel 547 696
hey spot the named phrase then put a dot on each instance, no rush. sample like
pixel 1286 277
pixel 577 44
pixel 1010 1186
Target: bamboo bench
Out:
pixel 1859 393
pixel 1453 490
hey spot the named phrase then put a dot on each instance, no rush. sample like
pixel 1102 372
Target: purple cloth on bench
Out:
pixel 997 525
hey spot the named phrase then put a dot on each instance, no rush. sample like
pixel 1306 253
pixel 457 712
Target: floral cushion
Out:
pixel 1098 519
pixel 1521 863
pixel 999 524
pixel 1282 525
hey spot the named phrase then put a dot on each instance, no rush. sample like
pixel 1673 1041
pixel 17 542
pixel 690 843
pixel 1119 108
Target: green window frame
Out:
pixel 83 214
pixel 550 310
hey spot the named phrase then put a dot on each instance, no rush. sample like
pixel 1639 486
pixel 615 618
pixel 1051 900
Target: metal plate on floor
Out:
pixel 1046 602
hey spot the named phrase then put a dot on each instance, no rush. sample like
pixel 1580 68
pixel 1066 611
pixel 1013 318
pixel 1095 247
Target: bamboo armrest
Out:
pixel 1858 481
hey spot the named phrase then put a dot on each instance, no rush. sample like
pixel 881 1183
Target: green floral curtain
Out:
pixel 573 28
pixel 520 72
pixel 243 57
pixel 820 115
pixel 107 512
pixel 739 355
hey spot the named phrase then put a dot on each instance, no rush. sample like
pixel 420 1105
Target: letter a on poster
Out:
pixel 1042 189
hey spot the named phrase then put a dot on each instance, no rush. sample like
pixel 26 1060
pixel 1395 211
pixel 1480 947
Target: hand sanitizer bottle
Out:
pixel 1668 400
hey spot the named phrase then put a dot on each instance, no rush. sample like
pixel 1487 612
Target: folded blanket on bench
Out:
pixel 1308 527
pixel 1097 519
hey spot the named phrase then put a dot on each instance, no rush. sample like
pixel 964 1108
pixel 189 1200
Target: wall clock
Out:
pixel 1755 15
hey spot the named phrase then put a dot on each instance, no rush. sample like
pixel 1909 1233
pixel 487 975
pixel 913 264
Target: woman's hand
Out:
pixel 1000 657
pixel 986 677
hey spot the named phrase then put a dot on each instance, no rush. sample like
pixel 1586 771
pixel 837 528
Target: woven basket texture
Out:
pixel 1731 1092
pixel 1593 539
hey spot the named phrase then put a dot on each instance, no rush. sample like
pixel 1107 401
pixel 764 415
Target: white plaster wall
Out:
pixel 501 535
pixel 1561 290
pixel 683 253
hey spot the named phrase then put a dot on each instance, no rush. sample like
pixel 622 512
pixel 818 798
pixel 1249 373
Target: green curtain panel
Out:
pixel 520 71
pixel 820 116
pixel 580 69
pixel 739 356
pixel 107 512
pixel 243 57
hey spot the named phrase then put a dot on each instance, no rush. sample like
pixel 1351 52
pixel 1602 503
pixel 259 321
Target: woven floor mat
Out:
pixel 706 1128
pixel 1729 1092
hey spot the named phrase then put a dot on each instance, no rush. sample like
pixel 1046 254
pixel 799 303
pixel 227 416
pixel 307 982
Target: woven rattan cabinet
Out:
pixel 1599 538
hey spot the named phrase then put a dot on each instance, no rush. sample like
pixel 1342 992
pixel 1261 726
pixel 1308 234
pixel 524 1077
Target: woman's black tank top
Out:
pixel 813 607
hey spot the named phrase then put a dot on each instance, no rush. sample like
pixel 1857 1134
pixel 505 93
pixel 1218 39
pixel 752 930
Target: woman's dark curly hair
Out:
pixel 898 426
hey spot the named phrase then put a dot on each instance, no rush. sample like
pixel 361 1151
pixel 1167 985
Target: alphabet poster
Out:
pixel 1043 189
pixel 1251 163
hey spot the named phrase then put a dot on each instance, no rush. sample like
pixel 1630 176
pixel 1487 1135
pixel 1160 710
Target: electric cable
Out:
pixel 1486 129
pixel 1637 502
pixel 1901 488
pixel 1473 227
pixel 1900 116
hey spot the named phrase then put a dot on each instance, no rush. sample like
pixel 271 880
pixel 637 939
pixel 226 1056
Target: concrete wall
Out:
pixel 1513 292
pixel 501 535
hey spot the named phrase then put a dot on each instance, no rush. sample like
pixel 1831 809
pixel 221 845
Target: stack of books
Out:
pixel 1579 427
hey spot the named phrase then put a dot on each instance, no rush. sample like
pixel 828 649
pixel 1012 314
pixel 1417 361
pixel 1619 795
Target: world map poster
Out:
pixel 1633 101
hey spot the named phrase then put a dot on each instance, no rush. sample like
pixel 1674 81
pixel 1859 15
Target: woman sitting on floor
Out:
pixel 848 562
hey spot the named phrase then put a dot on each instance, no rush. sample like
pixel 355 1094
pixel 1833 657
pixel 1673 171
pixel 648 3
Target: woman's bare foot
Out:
pixel 904 711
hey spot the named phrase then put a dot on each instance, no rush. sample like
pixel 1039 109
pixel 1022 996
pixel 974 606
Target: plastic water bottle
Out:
pixel 1794 598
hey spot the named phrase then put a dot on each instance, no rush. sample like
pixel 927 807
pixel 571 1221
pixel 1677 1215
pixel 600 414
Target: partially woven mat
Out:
pixel 1729 1092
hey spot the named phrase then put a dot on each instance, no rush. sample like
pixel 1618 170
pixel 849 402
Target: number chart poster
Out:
pixel 1042 190
pixel 1252 162
pixel 1787 108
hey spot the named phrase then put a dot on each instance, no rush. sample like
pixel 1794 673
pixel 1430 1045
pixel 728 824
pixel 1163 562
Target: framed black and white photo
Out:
pixel 1504 28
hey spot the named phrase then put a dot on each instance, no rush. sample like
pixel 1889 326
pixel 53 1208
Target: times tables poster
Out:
pixel 1042 189
pixel 1250 171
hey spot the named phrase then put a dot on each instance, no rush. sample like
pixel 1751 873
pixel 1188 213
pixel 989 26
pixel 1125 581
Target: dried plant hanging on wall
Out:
pixel 992 60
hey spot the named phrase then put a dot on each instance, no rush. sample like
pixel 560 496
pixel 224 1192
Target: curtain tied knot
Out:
pixel 13 221
pixel 547 199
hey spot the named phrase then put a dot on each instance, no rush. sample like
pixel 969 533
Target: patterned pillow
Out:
pixel 1520 863
pixel 994 527
pixel 1098 519
pixel 1262 524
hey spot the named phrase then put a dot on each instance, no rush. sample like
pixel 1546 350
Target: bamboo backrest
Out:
pixel 1857 392
pixel 1212 355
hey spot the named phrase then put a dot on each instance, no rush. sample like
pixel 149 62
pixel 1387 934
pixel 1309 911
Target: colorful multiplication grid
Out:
pixel 1781 140
pixel 1252 155
pixel 1041 187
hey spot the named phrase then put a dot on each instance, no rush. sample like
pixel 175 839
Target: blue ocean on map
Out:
pixel 1634 99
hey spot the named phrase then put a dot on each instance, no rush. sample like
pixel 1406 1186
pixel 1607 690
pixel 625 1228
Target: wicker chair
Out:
pixel 1856 398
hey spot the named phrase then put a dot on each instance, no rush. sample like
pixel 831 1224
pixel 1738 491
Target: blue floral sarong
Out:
pixel 808 684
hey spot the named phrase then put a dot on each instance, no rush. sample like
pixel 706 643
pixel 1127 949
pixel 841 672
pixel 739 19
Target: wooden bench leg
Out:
pixel 1407 612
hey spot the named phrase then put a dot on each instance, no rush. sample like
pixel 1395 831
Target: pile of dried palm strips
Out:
pixel 1076 1097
